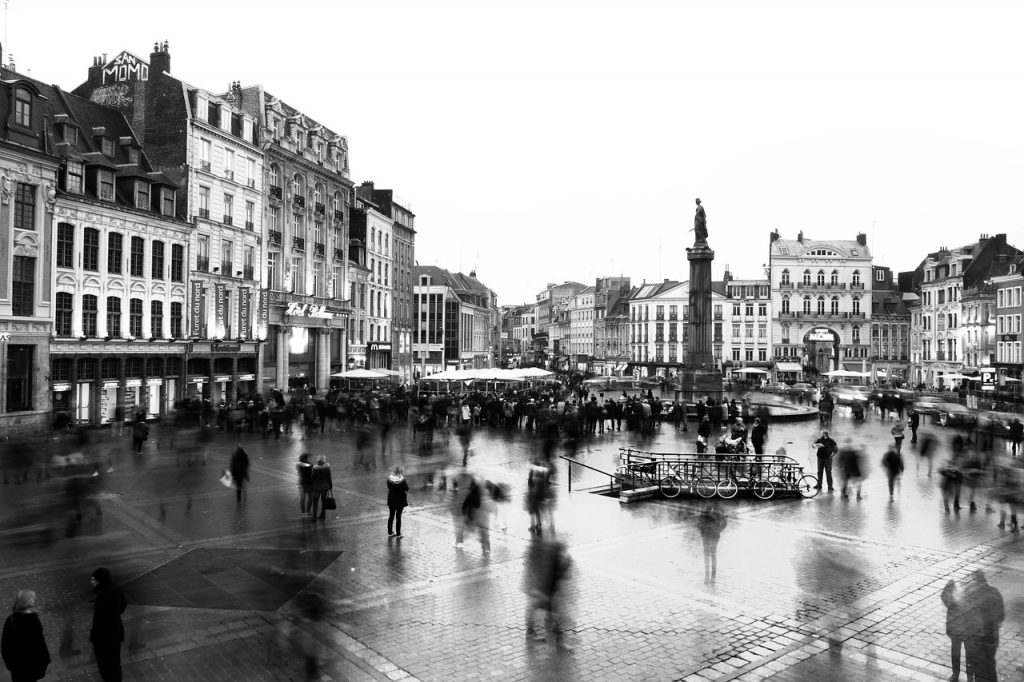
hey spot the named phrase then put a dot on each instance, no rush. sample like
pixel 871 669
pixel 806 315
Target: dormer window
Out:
pixel 167 201
pixel 74 177
pixel 142 199
pixel 105 185
pixel 69 134
pixel 133 155
pixel 107 147
pixel 23 107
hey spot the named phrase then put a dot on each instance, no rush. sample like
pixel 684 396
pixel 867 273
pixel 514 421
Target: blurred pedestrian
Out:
pixel 925 450
pixel 892 463
pixel 850 468
pixel 107 629
pixel 140 432
pixel 1009 493
pixel 398 499
pixel 711 523
pixel 305 480
pixel 239 468
pixel 1016 433
pixel 538 484
pixel 322 485
pixel 957 627
pixel 476 509
pixel 951 479
pixel 758 433
pixel 985 612
pixel 897 434
pixel 826 449
pixel 547 563
pixel 914 422
pixel 23 646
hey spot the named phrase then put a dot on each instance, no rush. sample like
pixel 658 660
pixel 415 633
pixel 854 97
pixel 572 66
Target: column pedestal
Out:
pixel 700 379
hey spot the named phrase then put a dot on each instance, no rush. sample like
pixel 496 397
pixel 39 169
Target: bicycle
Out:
pixel 728 487
pixel 673 484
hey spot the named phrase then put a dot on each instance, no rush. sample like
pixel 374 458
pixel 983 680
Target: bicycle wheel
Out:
pixel 807 485
pixel 705 487
pixel 670 486
pixel 764 490
pixel 727 489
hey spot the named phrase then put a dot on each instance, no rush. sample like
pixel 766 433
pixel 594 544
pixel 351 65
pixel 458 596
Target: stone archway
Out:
pixel 821 348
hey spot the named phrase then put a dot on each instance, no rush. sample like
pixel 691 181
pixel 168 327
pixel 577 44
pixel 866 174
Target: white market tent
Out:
pixel 358 374
pixel 844 373
pixel 750 370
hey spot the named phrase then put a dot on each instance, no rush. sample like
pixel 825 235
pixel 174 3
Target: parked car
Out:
pixel 929 404
pixel 775 387
pixel 806 390
pixel 956 415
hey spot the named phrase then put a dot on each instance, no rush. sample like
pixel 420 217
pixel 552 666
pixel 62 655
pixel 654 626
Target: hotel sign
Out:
pixel 296 309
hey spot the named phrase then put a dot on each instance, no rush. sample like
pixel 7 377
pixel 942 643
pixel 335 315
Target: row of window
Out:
pixel 1008 297
pixel 949 294
pixel 820 308
pixel 1009 351
pixel 90 254
pixel 748 309
pixel 1008 324
pixel 833 278
pixel 88 369
pixel 65 312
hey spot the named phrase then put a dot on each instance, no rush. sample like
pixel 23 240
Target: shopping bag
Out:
pixel 329 502
pixel 226 480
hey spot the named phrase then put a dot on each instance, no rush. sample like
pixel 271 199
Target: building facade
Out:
pixel 458 324
pixel 1009 313
pixel 28 181
pixel 205 144
pixel 821 298
pixel 890 329
pixel 748 333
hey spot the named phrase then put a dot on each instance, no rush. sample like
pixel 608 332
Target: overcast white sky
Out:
pixel 566 140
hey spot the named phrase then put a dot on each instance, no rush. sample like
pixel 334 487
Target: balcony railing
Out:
pixel 826 286
pixel 274 237
pixel 339 254
pixel 204 166
pixel 202 264
pixel 204 213
pixel 339 216
pixel 659 316
pixel 821 316
pixel 227 268
pixel 227 220
pixel 319 249
pixel 298 243
pixel 319 209
pixel 299 200
pixel 275 192
pixel 249 225
pixel 229 174
pixel 247 272
pixel 673 316
pixel 718 317
pixel 785 285
pixel 251 182
pixel 857 287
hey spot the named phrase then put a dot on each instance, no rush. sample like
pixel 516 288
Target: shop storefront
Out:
pixel 222 371
pixel 378 355
pixel 90 380
pixel 305 342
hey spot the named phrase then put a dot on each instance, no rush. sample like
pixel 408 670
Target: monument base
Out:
pixel 700 384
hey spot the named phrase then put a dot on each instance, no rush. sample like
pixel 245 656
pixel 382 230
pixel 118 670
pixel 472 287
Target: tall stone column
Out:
pixel 700 379
pixel 282 359
pixel 323 360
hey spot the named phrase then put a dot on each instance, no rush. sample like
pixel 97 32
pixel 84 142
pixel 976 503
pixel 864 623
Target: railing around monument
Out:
pixel 643 467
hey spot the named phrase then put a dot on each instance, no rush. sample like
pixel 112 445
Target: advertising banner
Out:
pixel 196 303
pixel 218 309
pixel 244 313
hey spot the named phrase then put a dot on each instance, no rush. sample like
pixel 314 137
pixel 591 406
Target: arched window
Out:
pixel 856 278
pixel 856 334
pixel 785 306
pixel 318 193
pixel 807 277
pixel 821 305
pixel 807 305
pixel 274 176
pixel 821 278
pixel 834 309
pixel 834 279
pixel 785 276
pixel 856 306
pixel 298 186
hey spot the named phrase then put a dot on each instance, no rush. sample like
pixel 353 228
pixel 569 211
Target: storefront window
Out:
pixel 19 378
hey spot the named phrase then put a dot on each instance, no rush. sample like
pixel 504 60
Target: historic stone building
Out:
pixel 207 145
pixel 307 202
pixel 458 321
pixel 121 253
pixel 748 337
pixel 28 187
pixel 1009 313
pixel 821 303
pixel 890 329
pixel 402 257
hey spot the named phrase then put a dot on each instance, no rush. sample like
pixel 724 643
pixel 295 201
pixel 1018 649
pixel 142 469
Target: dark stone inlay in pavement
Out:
pixel 237 579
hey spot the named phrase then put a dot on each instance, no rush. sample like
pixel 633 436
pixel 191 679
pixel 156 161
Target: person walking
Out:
pixel 23 646
pixel 239 468
pixel 914 422
pixel 107 628
pixel 892 462
pixel 398 499
pixel 538 484
pixel 758 433
pixel 305 473
pixel 322 485
pixel 985 614
pixel 850 469
pixel 711 523
pixel 951 481
pixel 957 628
pixel 140 432
pixel 547 563
pixel 826 449
pixel 897 434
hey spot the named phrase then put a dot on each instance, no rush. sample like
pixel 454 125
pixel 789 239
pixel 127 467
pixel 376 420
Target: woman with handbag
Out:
pixel 398 500
pixel 322 485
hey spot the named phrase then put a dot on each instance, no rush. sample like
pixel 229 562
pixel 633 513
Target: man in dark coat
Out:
pixel 826 448
pixel 239 468
pixel 107 629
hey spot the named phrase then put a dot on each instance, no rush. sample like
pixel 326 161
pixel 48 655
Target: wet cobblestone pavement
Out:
pixel 219 586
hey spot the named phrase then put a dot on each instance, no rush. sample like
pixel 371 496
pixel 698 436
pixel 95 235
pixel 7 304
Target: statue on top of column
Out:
pixel 700 226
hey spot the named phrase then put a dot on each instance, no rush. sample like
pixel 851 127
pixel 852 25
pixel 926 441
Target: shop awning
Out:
pixel 788 366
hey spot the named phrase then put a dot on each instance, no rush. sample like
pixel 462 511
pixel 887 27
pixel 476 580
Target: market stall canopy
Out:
pixel 450 375
pixel 532 372
pixel 788 366
pixel 358 374
pixel 956 377
pixel 840 373
pixel 750 370
pixel 388 372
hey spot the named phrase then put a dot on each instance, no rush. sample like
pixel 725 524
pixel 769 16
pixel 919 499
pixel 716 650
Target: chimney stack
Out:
pixel 800 237
pixel 95 78
pixel 159 61
pixel 774 236
pixel 862 239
